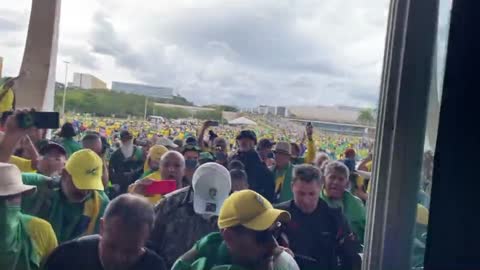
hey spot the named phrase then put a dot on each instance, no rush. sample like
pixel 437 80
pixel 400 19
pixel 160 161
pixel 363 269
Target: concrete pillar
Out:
pixel 36 87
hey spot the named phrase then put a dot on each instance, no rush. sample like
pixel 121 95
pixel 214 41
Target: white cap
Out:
pixel 211 185
pixel 166 142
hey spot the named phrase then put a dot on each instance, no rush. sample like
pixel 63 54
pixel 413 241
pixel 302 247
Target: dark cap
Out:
pixel 248 134
pixel 191 141
pixel 178 142
pixel 189 147
pixel 206 157
pixel 265 143
pixel 45 149
pixel 125 134
pixel 67 131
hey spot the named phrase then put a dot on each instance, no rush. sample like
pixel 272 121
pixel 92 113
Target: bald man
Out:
pixel 172 167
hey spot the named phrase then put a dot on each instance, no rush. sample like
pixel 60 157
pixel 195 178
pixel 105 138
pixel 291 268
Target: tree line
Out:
pixel 108 103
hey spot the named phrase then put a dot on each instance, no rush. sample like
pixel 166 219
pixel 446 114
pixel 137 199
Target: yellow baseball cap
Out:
pixel 86 169
pixel 156 152
pixel 251 210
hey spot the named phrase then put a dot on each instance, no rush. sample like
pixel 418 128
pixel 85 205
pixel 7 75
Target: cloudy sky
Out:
pixel 239 52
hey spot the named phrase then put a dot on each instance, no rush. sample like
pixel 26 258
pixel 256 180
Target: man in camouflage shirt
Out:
pixel 177 226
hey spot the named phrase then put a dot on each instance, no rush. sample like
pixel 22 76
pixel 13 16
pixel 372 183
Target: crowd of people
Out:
pixel 110 194
pixel 270 127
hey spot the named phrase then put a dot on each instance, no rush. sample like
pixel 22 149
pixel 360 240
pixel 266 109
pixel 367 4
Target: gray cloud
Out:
pixel 9 25
pixel 105 40
pixel 247 56
pixel 368 97
pixel 79 55
pixel 12 20
pixel 268 40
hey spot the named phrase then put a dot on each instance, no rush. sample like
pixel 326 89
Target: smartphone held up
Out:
pixel 42 120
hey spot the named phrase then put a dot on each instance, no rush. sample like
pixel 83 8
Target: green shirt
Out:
pixel 213 254
pixel 26 244
pixel 67 219
pixel 283 183
pixel 353 209
pixel 71 146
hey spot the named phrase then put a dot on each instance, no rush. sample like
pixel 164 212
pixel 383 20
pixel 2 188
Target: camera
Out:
pixel 43 120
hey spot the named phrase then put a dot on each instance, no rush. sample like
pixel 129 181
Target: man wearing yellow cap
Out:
pixel 247 223
pixel 151 168
pixel 76 205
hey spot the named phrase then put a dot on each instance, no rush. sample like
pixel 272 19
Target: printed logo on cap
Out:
pixel 92 171
pixel 211 206
pixel 213 193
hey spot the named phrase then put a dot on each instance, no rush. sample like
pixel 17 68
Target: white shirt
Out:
pixel 285 261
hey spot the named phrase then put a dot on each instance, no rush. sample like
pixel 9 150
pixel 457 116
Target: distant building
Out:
pixel 273 110
pixel 264 109
pixel 87 81
pixel 141 89
pixel 281 111
pixel 335 114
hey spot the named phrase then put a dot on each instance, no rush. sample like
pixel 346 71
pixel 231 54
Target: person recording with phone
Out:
pixel 216 145
pixel 298 157
pixel 75 204
pixel 25 154
pixel 161 165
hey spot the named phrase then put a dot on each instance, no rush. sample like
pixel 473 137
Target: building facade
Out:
pixel 87 81
pixel 281 111
pixel 141 89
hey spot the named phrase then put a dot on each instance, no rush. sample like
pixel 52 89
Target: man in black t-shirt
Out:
pixel 319 236
pixel 124 229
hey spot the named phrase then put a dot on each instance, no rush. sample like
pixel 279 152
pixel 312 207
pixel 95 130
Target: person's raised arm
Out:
pixel 201 134
pixel 13 134
pixel 311 151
